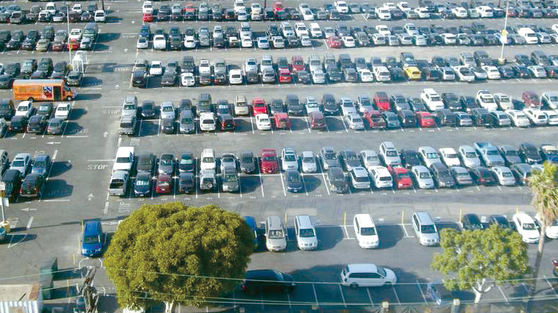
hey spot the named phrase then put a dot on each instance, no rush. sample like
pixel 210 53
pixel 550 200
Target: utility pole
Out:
pixel 504 34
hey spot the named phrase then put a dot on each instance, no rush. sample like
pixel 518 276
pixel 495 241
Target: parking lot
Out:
pixel 77 186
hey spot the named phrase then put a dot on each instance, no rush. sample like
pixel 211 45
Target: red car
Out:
pixel 381 100
pixel 277 6
pixel 147 17
pixel 281 121
pixel 259 106
pixel 298 63
pixel 334 42
pixel 401 177
pixel 426 119
pixel 72 45
pixel 268 161
pixel 163 184
pixel 285 76
pixel 317 120
pixel 531 99
pixel 374 119
pixel 57 46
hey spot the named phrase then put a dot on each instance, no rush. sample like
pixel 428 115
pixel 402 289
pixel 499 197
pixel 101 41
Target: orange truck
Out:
pixel 43 90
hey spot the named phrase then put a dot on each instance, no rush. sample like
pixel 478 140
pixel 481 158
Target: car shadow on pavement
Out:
pixel 390 234
pixel 70 273
pixel 76 114
pixel 59 167
pixel 249 184
pixel 88 96
pixel 57 188
pixel 14 239
pixel 328 237
pixel 311 182
pixel 106 37
pixel 148 128
pixel 72 128
pixel 89 81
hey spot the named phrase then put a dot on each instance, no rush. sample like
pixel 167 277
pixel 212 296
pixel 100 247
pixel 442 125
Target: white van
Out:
pixel 485 11
pixel 367 275
pixel 305 232
pixel 207 160
pixel 315 30
pixel 529 35
pixel 432 99
pixel 51 8
pixel 275 234
pixel 425 229
pixel 366 232
pixel 380 176
pixel 359 178
pixel 124 160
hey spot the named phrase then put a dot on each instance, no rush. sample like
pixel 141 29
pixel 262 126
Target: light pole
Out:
pixel 69 44
pixel 504 37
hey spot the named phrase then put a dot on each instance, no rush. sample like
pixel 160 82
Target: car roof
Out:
pixel 362 267
pixel 91 227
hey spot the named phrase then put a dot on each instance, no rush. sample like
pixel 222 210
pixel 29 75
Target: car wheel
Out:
pixel 387 284
pixel 354 285
pixel 30 99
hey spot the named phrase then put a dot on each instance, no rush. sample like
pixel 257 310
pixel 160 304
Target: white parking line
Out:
pixel 261 184
pixel 369 296
pixel 422 293
pixel 551 287
pixel 346 231
pixel 283 184
pixel 503 294
pixel 30 222
pixel 304 184
pixel 396 296
pixel 315 295
pixel 342 295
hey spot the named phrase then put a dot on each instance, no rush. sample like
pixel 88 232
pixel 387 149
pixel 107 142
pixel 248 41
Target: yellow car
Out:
pixel 413 73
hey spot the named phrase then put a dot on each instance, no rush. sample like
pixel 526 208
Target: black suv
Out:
pixel 267 281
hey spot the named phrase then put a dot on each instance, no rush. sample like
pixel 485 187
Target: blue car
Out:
pixel 251 222
pixel 41 165
pixel 92 238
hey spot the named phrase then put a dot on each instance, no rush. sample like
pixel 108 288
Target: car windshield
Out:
pixel 166 162
pixel 306 232
pixel 18 163
pixel 551 152
pixel 145 161
pixel 142 182
pixel 290 157
pixel 432 155
pixel 351 157
pixel 424 175
pixel 269 158
pixel 22 108
pixel 276 234
pixel 529 226
pixel 470 155
pixel 163 183
pixel 428 229
pixel 308 160
pixel 208 160
pixel 329 156
pixel 230 178
pixel 491 152
pixel 39 164
pixel 403 175
pixel 91 239
pixel 368 231
pixel 391 153
pixel 293 178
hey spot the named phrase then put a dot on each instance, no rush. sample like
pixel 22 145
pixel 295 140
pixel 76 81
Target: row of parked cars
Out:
pixel 46 118
pixel 44 68
pixel 467 67
pixel 285 35
pixel 78 12
pixel 339 9
pixel 344 171
pixel 275 234
pixel 382 111
pixel 49 39
pixel 24 176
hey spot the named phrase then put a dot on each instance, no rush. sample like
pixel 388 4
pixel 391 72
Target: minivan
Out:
pixel 90 31
pixel 186 122
pixel 367 275
pixel 305 232
pixel 366 232
pixel 12 179
pixel 92 238
pixel 275 234
pixel 241 106
pixel 425 229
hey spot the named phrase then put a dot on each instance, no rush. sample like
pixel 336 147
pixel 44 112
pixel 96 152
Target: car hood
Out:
pixel 142 189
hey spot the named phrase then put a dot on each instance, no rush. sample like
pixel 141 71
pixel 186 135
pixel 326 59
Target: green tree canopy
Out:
pixel 177 254
pixel 481 259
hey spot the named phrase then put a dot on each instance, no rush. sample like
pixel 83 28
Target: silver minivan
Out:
pixel 130 106
pixel 275 234
pixel 425 229
pixel 187 122
pixel 305 232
